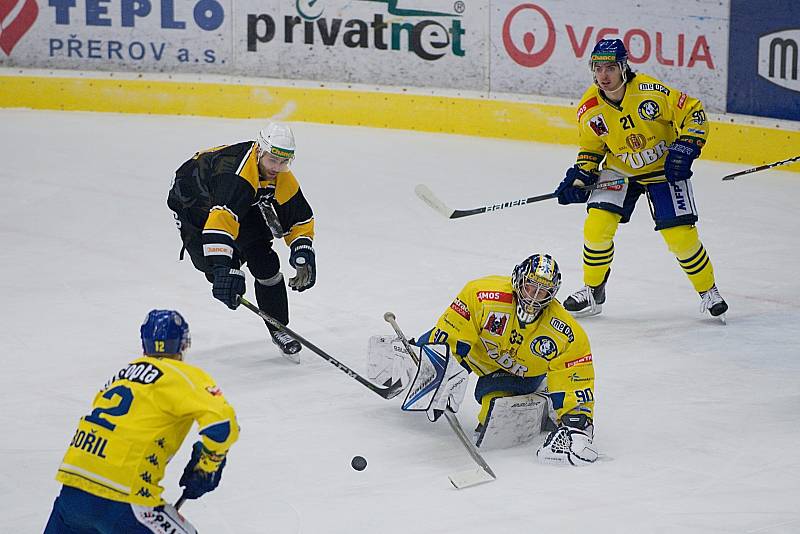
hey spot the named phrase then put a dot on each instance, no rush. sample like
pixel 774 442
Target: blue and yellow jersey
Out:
pixel 136 424
pixel 632 136
pixel 482 330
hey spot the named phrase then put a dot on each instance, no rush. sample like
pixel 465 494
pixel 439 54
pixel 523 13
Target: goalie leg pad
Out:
pixel 507 383
pixel 513 420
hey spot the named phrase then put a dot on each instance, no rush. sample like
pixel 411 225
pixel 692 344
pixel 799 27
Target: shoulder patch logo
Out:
pixel 460 308
pixel 545 347
pixel 497 296
pixel 496 323
pixel 682 100
pixel 598 125
pixel 649 110
pixel 562 327
pixel 580 361
pixel 654 87
pixel 589 104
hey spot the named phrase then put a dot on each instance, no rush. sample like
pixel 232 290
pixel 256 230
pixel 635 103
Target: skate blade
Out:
pixel 294 358
pixel 722 318
pixel 588 313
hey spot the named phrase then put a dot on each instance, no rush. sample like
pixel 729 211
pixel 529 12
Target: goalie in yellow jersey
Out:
pixel 532 359
pixel 648 133
pixel 139 419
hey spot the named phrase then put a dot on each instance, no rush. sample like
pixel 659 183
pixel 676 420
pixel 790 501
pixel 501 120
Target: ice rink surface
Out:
pixel 697 422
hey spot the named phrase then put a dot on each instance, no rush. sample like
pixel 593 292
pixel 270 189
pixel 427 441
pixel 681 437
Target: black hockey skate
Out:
pixel 288 345
pixel 588 300
pixel 714 303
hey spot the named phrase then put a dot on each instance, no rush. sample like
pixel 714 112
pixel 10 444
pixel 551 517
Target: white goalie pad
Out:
pixel 512 421
pixel 388 361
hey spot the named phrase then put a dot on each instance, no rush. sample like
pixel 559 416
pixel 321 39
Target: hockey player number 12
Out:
pixel 126 399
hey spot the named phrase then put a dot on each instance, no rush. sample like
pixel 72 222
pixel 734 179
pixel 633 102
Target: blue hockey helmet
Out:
pixel 165 333
pixel 609 51
pixel 535 281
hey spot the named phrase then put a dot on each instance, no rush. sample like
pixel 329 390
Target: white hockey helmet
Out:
pixel 276 141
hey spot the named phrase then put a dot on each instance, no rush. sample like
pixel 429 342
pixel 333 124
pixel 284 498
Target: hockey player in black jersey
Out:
pixel 229 202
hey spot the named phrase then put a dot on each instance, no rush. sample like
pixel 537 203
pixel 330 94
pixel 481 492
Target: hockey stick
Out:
pixel 462 479
pixel 760 168
pixel 427 196
pixel 387 393
pixel 180 501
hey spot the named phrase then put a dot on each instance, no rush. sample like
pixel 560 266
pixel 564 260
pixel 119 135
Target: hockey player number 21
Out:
pixel 126 398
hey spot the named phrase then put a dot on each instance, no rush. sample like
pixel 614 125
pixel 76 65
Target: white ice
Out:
pixel 697 421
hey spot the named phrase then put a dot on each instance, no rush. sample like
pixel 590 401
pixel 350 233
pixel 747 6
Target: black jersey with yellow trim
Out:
pixel 220 184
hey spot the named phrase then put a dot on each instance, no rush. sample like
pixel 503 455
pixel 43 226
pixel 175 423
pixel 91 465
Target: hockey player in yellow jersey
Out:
pixel 115 461
pixel 229 203
pixel 523 346
pixel 642 130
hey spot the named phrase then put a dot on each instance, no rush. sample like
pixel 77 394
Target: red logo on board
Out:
pixel 16 18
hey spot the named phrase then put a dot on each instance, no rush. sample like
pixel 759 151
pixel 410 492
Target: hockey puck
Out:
pixel 359 463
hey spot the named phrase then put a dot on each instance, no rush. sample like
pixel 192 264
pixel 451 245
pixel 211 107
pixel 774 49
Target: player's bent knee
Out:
pixel 600 226
pixel 681 240
pixel 271 281
pixel 513 420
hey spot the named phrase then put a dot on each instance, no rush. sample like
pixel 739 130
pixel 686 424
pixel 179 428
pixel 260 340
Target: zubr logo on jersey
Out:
pixel 532 27
pixel 16 18
pixel 428 34
pixel 779 58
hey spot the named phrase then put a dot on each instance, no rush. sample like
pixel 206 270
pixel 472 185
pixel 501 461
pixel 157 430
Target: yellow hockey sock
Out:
pixel 684 242
pixel 598 245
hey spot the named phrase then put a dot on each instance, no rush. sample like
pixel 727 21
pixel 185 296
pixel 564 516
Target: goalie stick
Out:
pixel 462 479
pixel 388 392
pixel 760 168
pixel 427 196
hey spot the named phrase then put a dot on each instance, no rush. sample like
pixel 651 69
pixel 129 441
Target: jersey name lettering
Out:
pixel 89 442
pixel 143 373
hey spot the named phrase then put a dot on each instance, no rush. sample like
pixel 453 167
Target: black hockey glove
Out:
pixel 680 156
pixel 569 192
pixel 196 479
pixel 228 285
pixel 303 259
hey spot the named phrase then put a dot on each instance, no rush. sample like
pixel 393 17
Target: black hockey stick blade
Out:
pixel 759 168
pixel 385 392
pixel 429 198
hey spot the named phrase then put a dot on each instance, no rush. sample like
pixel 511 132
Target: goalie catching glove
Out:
pixel 439 385
pixel 569 444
